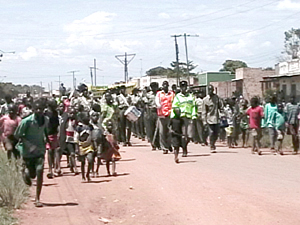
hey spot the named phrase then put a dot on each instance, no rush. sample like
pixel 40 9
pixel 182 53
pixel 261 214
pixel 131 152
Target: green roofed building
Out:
pixel 204 79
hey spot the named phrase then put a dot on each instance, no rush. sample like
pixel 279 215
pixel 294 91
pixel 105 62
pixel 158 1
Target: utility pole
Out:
pixel 73 72
pixel 177 57
pixel 91 71
pixel 41 88
pixel 186 54
pixel 95 69
pixel 125 63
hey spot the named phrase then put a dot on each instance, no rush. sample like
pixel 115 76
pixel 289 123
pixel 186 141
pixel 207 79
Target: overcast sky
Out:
pixel 51 38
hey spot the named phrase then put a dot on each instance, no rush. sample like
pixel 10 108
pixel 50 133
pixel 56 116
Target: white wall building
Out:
pixel 146 80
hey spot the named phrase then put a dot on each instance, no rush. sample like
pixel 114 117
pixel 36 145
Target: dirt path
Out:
pixel 229 187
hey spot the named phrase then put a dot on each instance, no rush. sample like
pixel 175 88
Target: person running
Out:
pixel 32 133
pixel 63 117
pixel 52 147
pixel 8 125
pixel 175 126
pixel 110 149
pixel 210 116
pixel 97 138
pixel 86 150
pixel 68 129
pixel 256 115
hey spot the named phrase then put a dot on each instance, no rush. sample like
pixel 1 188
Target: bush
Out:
pixel 13 190
pixel 5 217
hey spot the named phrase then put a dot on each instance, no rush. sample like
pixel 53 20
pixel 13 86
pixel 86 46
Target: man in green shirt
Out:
pixel 32 136
pixel 185 101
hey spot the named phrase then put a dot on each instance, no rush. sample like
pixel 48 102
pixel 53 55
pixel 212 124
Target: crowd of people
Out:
pixel 89 130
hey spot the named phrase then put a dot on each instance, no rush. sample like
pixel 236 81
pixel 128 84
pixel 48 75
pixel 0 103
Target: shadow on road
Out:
pixel 140 145
pixel 199 155
pixel 97 181
pixel 47 185
pixel 60 204
pixel 187 161
pixel 126 160
pixel 226 152
pixel 117 175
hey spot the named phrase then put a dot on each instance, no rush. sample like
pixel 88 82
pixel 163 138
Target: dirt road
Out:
pixel 228 187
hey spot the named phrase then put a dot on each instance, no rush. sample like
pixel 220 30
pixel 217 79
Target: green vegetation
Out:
pixel 172 71
pixel 13 191
pixel 292 43
pixel 232 65
pixel 14 90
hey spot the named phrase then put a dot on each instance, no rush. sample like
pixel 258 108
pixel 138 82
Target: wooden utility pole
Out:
pixel 125 63
pixel 186 54
pixel 177 58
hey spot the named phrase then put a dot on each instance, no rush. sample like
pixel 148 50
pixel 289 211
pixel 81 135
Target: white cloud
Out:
pixel 93 24
pixel 288 4
pixel 164 16
pixel 87 34
pixel 266 44
pixel 31 52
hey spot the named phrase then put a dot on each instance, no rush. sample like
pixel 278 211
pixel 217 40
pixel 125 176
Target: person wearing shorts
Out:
pixel 32 133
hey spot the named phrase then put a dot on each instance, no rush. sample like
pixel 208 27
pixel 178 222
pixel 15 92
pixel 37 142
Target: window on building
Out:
pixel 293 90
pixel 284 89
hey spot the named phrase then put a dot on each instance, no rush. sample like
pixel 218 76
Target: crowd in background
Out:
pixel 89 130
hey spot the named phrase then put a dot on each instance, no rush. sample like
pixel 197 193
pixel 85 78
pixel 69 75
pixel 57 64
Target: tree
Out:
pixel 182 69
pixel 292 43
pixel 157 71
pixel 232 65
pixel 172 71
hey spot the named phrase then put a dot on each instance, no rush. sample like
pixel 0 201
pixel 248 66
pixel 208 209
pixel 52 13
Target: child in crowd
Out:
pixel 86 150
pixel 255 114
pixel 175 127
pixel 70 129
pixel 110 149
pixel 228 111
pixel 8 125
pixel 244 123
pixel 278 119
pixel 97 138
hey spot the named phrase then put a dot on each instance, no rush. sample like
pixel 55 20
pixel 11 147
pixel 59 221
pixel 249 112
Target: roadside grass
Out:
pixel 6 218
pixel 13 190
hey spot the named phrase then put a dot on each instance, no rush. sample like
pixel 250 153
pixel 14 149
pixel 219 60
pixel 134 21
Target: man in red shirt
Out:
pixel 255 113
pixel 163 102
